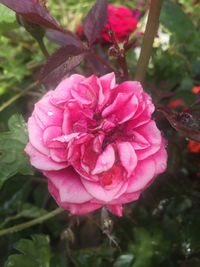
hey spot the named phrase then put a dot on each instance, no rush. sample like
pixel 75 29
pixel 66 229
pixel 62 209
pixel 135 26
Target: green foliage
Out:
pixel 173 18
pixel 124 260
pixel 34 253
pixel 7 19
pixel 6 15
pixel 147 247
pixel 12 155
pixel 12 64
pixel 95 257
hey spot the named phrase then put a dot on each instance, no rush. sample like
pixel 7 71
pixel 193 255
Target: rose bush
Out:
pixel 96 142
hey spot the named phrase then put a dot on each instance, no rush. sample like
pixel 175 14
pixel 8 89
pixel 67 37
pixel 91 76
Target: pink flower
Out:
pixel 96 143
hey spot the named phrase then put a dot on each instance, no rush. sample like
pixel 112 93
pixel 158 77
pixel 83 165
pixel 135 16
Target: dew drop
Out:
pixel 50 113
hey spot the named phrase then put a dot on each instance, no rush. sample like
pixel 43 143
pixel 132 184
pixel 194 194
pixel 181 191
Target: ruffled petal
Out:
pixel 123 107
pixel 35 136
pixel 46 113
pixel 151 133
pixel 69 186
pixel 105 161
pixel 41 161
pixel 127 156
pixel 62 93
pixel 49 136
pixel 144 173
pixel 105 195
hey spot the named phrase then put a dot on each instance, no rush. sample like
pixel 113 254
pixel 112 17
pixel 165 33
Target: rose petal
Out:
pixel 35 136
pixel 59 154
pixel 115 209
pixel 123 107
pixel 144 173
pixel 62 93
pixel 68 185
pixel 127 156
pixel 105 161
pixel 47 113
pixel 41 161
pixel 160 159
pixel 49 135
pixel 102 194
pixel 153 136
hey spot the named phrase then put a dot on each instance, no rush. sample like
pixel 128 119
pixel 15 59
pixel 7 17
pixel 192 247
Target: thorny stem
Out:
pixel 17 96
pixel 149 35
pixel 22 226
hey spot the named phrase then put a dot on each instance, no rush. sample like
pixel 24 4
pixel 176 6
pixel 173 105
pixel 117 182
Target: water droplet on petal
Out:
pixel 50 113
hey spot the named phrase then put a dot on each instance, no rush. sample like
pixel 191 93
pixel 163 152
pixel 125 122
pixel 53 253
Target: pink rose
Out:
pixel 96 143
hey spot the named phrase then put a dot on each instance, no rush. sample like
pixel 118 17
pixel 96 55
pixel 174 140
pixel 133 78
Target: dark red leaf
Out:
pixel 33 12
pixel 63 38
pixel 60 64
pixel 186 123
pixel 95 21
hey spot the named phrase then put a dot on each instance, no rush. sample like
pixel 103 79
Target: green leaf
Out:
pixel 34 253
pixel 17 126
pixel 12 156
pixel 6 15
pixel 148 247
pixel 176 21
pixel 124 260
pixel 7 19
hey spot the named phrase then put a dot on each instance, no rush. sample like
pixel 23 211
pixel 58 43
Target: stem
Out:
pixel 23 226
pixel 43 48
pixel 17 96
pixel 149 35
pixel 123 63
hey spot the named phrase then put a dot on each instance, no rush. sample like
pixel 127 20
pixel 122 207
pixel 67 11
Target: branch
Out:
pixel 17 96
pixel 149 35
pixel 22 226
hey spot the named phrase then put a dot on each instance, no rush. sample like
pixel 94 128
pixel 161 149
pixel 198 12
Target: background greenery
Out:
pixel 163 227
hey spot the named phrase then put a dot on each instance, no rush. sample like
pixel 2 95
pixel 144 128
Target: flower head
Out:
pixel 122 21
pixel 96 142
